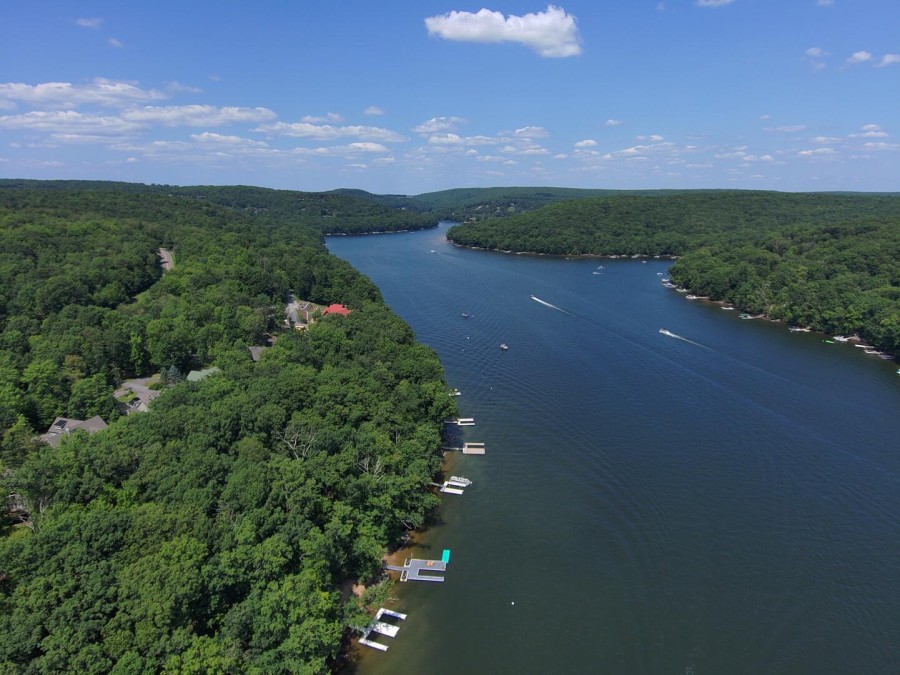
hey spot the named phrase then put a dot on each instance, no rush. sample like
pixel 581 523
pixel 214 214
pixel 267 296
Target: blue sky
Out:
pixel 409 97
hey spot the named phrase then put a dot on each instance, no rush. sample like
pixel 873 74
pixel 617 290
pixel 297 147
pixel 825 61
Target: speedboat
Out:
pixel 503 346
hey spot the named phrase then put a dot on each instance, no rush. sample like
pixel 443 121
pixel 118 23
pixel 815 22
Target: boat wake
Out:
pixel 678 337
pixel 547 304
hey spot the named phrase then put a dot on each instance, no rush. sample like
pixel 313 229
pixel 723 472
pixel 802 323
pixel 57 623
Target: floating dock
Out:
pixel 415 569
pixel 454 485
pixel 462 422
pixel 379 626
pixel 473 449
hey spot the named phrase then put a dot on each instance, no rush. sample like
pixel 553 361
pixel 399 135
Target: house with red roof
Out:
pixel 336 309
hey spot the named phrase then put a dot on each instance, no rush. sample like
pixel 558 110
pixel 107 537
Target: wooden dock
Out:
pixel 453 485
pixel 382 628
pixel 473 449
pixel 415 569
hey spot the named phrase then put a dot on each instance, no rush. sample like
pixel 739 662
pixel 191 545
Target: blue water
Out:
pixel 723 503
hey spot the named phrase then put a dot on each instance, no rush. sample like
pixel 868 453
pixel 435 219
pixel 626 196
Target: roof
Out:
pixel 197 375
pixel 64 425
pixel 336 309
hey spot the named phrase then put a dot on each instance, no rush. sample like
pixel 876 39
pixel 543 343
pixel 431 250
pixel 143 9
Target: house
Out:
pixel 64 425
pixel 336 309
pixel 197 375
pixel 134 396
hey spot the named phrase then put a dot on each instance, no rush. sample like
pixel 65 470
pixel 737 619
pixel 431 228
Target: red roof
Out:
pixel 336 309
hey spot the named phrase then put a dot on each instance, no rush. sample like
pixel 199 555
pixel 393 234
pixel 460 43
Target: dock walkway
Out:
pixel 382 628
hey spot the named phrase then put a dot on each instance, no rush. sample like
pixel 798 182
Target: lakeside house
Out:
pixel 64 425
pixel 134 396
pixel 336 309
pixel 302 313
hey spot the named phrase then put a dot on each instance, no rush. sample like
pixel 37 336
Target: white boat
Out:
pixel 840 338
pixel 691 297
pixel 667 332
pixel 731 309
pixel 596 272
pixel 503 346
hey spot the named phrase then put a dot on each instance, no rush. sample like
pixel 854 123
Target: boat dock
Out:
pixel 379 626
pixel 415 569
pixel 462 422
pixel 473 448
pixel 453 485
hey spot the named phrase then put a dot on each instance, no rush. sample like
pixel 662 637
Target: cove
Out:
pixel 726 503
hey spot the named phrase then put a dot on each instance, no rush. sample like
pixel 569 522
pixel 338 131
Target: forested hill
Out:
pixel 830 261
pixel 211 533
pixel 478 204
pixel 335 212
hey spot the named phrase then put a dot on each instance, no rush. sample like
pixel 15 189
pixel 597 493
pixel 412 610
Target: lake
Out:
pixel 722 502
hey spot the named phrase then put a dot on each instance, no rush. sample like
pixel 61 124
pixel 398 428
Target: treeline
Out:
pixel 828 261
pixel 335 212
pixel 213 532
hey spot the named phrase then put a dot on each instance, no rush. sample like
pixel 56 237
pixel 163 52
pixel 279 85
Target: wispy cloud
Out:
pixel 105 93
pixel 870 131
pixel 373 110
pixel 115 42
pixel 327 117
pixel 712 3
pixel 331 132
pixel 586 143
pixel 195 115
pixel 787 128
pixel 612 123
pixel 439 124
pixel 859 57
pixel 69 121
pixel 552 33
pixel 175 86
pixel 887 60
pixel 94 22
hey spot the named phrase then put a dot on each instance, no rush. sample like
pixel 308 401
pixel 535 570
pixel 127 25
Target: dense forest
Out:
pixel 827 261
pixel 214 532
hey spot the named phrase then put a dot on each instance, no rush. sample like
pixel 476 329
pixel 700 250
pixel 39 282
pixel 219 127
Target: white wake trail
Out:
pixel 547 304
pixel 679 337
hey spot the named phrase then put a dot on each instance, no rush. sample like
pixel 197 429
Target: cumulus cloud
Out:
pixel 870 131
pixel 586 143
pixel 859 57
pixel 531 132
pixel 438 124
pixel 106 93
pixel 373 110
pixel 552 33
pixel 210 138
pixel 330 132
pixel 712 3
pixel 94 22
pixel 69 122
pixel 887 60
pixel 613 123
pixel 195 115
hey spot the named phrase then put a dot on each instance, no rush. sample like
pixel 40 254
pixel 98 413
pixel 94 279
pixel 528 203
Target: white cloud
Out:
pixel 328 117
pixel 652 137
pixel 329 132
pixel 887 60
pixel 712 3
pixel 209 138
pixel 437 124
pixel 816 52
pixel 824 3
pixel 586 143
pixel 114 42
pixel 552 33
pixel 106 93
pixel 373 110
pixel 859 57
pixel 818 152
pixel 612 123
pixel 870 131
pixel 68 122
pixel 871 145
pixel 195 115
pixel 456 139
pixel 94 22
pixel 531 132
pixel 365 147
pixel 560 155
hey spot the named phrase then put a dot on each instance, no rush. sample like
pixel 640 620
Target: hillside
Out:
pixel 827 261
pixel 215 530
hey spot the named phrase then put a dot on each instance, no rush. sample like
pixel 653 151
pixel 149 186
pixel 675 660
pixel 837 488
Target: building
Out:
pixel 336 309
pixel 63 425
